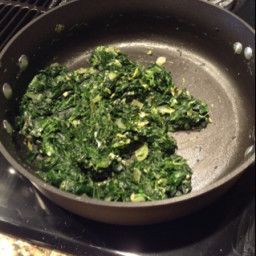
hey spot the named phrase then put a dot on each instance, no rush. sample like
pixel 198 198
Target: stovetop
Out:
pixel 226 228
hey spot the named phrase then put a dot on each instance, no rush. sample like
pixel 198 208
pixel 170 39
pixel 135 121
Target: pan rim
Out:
pixel 241 168
pixel 248 26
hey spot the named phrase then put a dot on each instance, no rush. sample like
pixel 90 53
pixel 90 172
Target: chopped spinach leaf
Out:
pixel 103 131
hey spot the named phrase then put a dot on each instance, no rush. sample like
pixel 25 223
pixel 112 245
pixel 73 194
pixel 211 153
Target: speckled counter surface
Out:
pixel 10 246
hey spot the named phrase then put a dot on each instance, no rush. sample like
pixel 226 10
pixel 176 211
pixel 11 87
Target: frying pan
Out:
pixel 198 41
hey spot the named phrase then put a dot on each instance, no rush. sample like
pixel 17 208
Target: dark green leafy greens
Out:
pixel 104 131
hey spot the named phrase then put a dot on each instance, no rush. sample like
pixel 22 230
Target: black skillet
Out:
pixel 198 40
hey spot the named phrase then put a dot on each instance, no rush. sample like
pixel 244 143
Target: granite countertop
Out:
pixel 10 246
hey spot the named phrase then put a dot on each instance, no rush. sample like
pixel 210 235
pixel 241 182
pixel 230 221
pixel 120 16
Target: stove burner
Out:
pixel 223 3
pixel 228 4
pixel 16 14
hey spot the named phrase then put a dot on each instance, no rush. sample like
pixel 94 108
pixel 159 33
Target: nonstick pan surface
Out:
pixel 198 41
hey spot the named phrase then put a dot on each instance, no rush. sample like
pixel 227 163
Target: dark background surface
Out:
pixel 247 12
pixel 226 228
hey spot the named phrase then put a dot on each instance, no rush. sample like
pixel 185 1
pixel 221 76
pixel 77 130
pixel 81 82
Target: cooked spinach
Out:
pixel 104 131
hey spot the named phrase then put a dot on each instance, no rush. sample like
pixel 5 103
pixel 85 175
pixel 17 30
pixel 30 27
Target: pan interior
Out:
pixel 196 62
pixel 212 152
